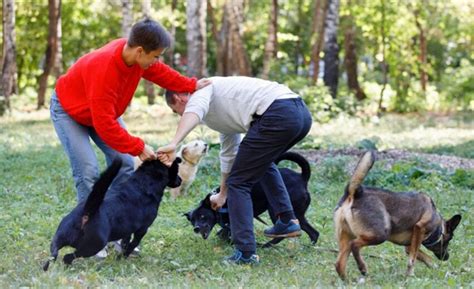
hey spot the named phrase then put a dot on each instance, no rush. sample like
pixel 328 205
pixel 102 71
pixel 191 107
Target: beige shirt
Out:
pixel 228 106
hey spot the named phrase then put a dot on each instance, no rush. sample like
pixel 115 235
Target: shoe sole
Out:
pixel 289 235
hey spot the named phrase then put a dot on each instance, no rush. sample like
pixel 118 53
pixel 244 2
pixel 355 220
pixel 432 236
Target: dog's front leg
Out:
pixel 416 239
pixel 137 237
pixel 421 256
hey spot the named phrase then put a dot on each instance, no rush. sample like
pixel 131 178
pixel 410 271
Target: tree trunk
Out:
pixel 233 59
pixel 127 17
pixel 54 7
pixel 148 85
pixel 319 18
pixel 169 55
pixel 8 81
pixel 384 66
pixel 423 52
pixel 220 40
pixel 271 47
pixel 196 37
pixel 350 58
pixel 331 48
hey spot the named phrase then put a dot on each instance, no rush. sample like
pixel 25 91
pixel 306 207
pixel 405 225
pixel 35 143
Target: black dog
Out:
pixel 129 209
pixel 204 218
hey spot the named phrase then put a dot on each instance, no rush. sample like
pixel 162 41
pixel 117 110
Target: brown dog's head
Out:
pixel 438 241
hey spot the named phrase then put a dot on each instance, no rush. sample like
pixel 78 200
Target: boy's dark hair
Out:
pixel 169 96
pixel 150 35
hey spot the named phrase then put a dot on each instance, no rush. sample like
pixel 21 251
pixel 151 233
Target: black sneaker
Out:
pixel 238 259
pixel 282 230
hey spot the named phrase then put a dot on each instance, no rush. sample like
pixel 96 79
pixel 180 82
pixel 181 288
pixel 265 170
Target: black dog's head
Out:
pixel 203 218
pixel 441 237
pixel 174 180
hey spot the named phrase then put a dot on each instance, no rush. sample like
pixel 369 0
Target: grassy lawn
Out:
pixel 36 190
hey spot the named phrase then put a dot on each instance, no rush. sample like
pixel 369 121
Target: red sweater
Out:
pixel 97 89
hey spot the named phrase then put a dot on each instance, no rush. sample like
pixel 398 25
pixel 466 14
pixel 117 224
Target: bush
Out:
pixel 458 86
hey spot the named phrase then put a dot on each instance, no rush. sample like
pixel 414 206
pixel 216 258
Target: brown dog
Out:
pixel 370 216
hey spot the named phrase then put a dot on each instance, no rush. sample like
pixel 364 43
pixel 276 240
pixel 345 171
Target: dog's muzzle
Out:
pixel 204 231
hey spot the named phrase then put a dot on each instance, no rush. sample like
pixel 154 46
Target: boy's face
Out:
pixel 180 101
pixel 145 60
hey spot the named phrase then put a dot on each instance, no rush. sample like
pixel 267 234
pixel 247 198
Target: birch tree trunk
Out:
pixel 148 85
pixel 271 46
pixel 8 81
pixel 331 48
pixel 196 37
pixel 127 17
pixel 54 11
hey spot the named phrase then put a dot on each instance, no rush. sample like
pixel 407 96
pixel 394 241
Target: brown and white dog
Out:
pixel 191 154
pixel 368 216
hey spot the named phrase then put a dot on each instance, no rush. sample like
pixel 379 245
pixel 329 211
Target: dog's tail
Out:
pixel 360 172
pixel 97 194
pixel 300 160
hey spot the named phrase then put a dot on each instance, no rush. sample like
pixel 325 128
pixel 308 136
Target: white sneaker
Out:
pixel 102 254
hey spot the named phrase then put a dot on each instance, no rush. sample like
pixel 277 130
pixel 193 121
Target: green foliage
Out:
pixel 448 27
pixel 458 85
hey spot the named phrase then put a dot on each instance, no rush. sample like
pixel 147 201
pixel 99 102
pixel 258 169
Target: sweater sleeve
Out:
pixel 103 97
pixel 168 78
pixel 229 148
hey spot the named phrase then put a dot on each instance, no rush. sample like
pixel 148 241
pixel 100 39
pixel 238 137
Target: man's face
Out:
pixel 180 101
pixel 145 60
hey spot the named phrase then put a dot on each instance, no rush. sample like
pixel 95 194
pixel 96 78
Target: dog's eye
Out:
pixel 202 217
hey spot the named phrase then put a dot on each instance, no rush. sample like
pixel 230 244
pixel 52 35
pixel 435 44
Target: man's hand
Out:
pixel 167 154
pixel 201 83
pixel 218 200
pixel 147 154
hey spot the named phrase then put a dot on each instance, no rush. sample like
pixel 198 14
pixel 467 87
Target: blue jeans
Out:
pixel 75 139
pixel 284 123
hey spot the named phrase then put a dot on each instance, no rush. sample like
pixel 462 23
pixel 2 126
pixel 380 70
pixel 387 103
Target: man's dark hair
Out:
pixel 169 96
pixel 150 35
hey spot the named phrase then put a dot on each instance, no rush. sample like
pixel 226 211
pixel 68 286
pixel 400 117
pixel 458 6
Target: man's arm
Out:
pixel 229 147
pixel 187 123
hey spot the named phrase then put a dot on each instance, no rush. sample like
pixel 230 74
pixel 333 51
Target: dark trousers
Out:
pixel 284 123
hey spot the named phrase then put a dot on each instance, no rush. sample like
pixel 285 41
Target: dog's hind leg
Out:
pixel 87 246
pixel 272 242
pixel 313 234
pixel 344 241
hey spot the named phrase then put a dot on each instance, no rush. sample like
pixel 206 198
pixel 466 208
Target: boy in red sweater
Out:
pixel 91 97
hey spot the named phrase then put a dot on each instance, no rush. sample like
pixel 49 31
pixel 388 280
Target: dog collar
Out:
pixel 188 161
pixel 223 211
pixel 435 237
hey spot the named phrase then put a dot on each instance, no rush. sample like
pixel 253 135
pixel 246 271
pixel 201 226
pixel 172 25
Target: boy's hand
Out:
pixel 147 154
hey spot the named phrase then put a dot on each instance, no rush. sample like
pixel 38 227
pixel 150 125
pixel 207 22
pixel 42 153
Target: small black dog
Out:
pixel 204 218
pixel 129 209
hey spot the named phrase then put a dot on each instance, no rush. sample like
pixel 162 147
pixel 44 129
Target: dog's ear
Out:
pixel 207 200
pixel 452 223
pixel 188 215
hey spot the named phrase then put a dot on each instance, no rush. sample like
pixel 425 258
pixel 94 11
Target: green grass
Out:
pixel 36 191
